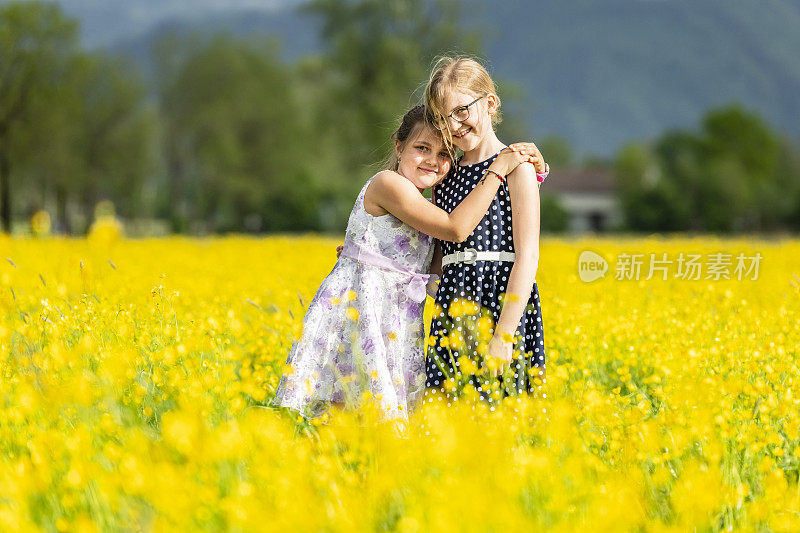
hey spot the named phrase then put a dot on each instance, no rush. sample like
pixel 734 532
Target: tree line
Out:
pixel 733 174
pixel 228 137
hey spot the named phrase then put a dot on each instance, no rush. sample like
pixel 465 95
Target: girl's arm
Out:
pixel 524 192
pixel 401 198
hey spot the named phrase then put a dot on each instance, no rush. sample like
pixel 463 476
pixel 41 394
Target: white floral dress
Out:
pixel 363 330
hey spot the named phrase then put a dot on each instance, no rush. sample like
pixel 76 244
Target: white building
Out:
pixel 589 196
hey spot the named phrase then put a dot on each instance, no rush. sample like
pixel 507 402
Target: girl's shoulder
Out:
pixel 387 184
pixel 392 182
pixel 387 176
pixel 379 178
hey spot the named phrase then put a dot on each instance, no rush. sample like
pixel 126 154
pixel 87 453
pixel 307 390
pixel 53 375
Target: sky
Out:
pixel 104 22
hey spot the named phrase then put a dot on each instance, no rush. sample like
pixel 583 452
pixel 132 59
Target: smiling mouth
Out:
pixel 426 170
pixel 460 134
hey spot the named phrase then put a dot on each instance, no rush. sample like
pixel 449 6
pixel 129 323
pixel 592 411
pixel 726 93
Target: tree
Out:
pixel 375 68
pixel 116 128
pixel 557 151
pixel 37 48
pixel 740 157
pixel 90 140
pixel 684 194
pixel 554 216
pixel 787 201
pixel 381 52
pixel 734 174
pixel 649 200
pixel 233 141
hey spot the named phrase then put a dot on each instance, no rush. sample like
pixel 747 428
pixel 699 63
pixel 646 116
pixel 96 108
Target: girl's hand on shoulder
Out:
pixel 532 151
pixel 516 154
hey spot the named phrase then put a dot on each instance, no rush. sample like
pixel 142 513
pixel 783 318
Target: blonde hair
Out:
pixel 456 73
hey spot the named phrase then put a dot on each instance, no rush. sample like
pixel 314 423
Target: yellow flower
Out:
pixel 485 327
pixel 774 438
pixel 195 365
pixel 455 340
pixel 471 308
pixel 456 309
pixel 467 365
pixel 40 223
pixel 493 363
pixel 352 313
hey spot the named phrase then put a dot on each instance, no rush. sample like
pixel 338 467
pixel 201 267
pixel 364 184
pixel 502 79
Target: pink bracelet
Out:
pixel 540 176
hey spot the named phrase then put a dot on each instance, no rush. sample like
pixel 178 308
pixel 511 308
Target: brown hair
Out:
pixel 417 117
pixel 456 73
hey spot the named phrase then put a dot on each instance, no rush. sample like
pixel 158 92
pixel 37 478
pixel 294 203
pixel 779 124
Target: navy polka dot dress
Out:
pixel 460 329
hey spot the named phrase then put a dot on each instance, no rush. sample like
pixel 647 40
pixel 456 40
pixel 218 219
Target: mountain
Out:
pixel 598 73
pixel 602 73
pixel 296 33
pixel 106 21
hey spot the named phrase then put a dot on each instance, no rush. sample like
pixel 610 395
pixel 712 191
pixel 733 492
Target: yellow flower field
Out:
pixel 136 378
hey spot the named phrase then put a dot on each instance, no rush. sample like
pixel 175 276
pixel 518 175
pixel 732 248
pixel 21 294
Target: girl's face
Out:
pixel 423 158
pixel 468 134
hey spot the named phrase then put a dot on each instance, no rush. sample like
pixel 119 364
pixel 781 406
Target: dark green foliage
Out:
pixel 72 125
pixel 554 217
pixel 735 174
pixel 377 61
pixel 233 138
pixel 37 51
pixel 234 145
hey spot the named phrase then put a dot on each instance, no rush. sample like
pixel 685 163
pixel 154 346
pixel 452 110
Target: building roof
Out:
pixel 598 180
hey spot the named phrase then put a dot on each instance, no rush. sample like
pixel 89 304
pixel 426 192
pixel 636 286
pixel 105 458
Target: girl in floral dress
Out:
pixel 363 331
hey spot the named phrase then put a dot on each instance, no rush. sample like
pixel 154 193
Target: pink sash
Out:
pixel 416 286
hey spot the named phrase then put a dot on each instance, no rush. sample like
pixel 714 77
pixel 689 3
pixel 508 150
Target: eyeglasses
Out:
pixel 459 114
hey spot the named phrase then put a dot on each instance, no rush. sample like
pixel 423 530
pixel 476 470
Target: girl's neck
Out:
pixel 489 146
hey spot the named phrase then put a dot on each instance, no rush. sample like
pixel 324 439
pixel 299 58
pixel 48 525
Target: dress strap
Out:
pixel 364 190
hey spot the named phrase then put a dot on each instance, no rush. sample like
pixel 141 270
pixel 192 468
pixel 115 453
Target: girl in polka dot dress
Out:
pixel 363 331
pixel 494 269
